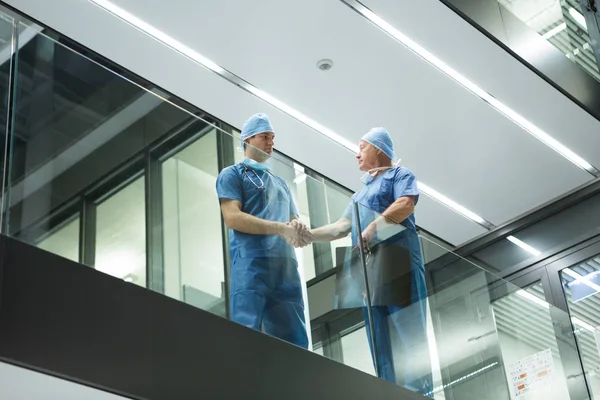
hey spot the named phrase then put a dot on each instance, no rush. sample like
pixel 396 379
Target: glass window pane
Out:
pixel 582 291
pixel 121 234
pixel 560 22
pixel 193 242
pixel 63 241
pixel 75 123
pixel 6 40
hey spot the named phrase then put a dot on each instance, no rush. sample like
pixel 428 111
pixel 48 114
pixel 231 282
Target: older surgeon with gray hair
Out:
pixel 389 196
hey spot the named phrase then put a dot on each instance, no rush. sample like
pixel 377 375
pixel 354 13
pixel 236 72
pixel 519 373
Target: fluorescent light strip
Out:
pixel 583 324
pixel 578 17
pixel 524 246
pixel 555 31
pixel 438 389
pixel 543 304
pixel 472 87
pixel 453 205
pixel 211 65
pixel 533 299
pixel 581 278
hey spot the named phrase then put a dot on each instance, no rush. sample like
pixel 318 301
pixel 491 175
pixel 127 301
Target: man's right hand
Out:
pixel 297 234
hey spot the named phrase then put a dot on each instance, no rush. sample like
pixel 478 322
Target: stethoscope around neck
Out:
pixel 246 172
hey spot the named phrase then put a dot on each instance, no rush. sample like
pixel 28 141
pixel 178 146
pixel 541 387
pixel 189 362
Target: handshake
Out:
pixel 297 234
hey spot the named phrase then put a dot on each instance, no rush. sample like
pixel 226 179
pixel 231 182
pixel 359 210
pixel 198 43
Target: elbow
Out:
pixel 230 220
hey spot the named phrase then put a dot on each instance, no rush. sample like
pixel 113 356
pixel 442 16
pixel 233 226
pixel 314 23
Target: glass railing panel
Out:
pixel 77 126
pixel 463 333
pixel 561 23
pixel 115 176
pixel 7 43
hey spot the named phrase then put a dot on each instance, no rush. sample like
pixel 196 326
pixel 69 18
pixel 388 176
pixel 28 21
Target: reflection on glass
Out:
pixel 121 234
pixel 529 347
pixel 562 23
pixel 63 241
pixel 6 42
pixel 355 348
pixel 581 285
pixel 75 123
pixel 193 245
pixel 396 291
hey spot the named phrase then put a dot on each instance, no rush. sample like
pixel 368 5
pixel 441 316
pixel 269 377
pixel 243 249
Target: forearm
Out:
pixel 397 212
pixel 331 232
pixel 246 223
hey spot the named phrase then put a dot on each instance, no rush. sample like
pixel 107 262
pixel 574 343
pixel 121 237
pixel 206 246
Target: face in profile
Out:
pixel 259 145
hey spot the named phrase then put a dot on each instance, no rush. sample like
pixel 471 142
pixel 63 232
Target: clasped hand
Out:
pixel 297 234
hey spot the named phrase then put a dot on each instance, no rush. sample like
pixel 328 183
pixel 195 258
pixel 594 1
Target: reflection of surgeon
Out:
pixel 258 209
pixel 392 193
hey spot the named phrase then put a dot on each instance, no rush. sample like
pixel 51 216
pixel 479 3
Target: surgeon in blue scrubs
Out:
pixel 389 197
pixel 257 206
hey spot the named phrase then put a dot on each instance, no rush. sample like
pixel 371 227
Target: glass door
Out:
pixel 576 279
pixel 536 344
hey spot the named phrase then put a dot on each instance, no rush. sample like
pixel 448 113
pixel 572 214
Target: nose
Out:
pixel 358 156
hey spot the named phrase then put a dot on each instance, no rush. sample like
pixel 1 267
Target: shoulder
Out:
pixel 402 173
pixel 232 170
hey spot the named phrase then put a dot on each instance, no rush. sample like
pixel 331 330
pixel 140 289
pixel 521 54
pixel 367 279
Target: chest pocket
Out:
pixel 266 197
pixel 253 191
pixel 385 195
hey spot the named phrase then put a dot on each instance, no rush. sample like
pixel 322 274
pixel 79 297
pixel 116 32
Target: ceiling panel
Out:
pixel 434 217
pixel 446 35
pixel 452 140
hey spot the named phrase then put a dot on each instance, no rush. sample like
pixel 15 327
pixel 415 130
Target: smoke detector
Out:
pixel 325 65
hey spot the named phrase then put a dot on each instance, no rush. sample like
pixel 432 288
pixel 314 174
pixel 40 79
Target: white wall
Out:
pixel 22 384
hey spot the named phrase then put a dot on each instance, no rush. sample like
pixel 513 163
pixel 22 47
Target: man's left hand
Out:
pixel 368 234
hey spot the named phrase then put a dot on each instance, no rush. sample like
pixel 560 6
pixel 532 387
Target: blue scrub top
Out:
pixel 271 202
pixel 373 200
pixel 379 194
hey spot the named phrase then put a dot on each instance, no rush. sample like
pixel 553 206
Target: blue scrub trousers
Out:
pixel 401 332
pixel 400 335
pixel 267 292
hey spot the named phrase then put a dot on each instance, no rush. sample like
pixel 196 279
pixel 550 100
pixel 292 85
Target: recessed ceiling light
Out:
pixel 524 246
pixel 211 65
pixel 533 298
pixel 578 17
pixel 580 278
pixel 555 31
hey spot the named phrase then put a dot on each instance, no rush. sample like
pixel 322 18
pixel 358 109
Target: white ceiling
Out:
pixel 451 139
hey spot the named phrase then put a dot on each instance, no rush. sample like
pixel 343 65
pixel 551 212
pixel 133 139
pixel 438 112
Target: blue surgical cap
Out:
pixel 258 123
pixel 381 139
